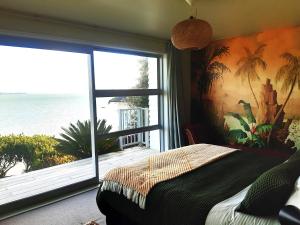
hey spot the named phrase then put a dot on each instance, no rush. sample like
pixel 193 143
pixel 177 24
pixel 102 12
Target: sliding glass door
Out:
pixel 69 113
pixel 128 101
pixel 45 132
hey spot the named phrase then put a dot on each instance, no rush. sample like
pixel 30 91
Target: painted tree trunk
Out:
pixel 252 91
pixel 281 110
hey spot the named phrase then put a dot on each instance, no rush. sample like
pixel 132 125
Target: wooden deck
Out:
pixel 32 183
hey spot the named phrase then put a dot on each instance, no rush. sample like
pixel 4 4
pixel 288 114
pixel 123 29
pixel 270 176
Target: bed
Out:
pixel 226 212
pixel 190 199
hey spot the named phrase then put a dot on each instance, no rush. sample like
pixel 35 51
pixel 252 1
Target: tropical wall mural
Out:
pixel 246 90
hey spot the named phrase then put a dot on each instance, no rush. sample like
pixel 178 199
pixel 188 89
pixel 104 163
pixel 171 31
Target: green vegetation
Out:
pixel 251 134
pixel 76 140
pixel 143 83
pixel 211 69
pixel 290 75
pixel 36 152
pixel 248 67
pixel 9 156
pixel 45 153
pixel 41 151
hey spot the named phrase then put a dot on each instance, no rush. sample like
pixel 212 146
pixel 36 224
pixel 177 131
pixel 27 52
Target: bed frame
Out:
pixel 289 215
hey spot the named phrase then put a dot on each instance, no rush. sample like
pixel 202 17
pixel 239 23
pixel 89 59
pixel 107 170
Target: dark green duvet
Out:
pixel 187 199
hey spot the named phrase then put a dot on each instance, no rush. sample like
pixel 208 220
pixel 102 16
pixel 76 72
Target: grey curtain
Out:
pixel 174 88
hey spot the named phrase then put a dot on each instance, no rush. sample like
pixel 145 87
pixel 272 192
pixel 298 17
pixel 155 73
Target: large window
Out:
pixel 69 113
pixel 128 97
pixel 44 94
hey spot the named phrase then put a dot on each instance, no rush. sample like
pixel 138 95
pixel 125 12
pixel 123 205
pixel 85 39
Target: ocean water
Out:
pixel 32 114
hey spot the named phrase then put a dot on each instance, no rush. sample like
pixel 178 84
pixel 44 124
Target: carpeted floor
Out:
pixel 77 210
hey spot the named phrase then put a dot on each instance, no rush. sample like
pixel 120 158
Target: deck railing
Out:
pixel 134 118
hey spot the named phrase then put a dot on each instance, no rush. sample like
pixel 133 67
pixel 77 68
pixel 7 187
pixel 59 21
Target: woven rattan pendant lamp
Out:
pixel 192 33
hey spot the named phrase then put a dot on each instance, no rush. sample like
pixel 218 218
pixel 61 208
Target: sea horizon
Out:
pixel 40 113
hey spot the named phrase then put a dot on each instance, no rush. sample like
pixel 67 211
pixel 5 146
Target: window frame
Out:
pixel 26 204
pixel 100 93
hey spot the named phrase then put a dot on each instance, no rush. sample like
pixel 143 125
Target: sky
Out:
pixel 120 71
pixel 25 70
pixel 230 89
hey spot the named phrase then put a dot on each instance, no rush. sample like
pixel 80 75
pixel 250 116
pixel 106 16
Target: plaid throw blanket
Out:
pixel 135 181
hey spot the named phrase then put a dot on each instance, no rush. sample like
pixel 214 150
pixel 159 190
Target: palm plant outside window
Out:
pixel 70 106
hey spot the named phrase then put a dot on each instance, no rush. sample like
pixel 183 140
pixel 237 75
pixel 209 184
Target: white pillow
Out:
pixel 295 197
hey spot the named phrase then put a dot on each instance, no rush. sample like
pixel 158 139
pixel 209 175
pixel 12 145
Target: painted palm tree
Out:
pixel 248 66
pixel 289 74
pixel 76 139
pixel 211 68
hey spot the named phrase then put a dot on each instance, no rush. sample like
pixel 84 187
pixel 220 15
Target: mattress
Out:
pixel 224 213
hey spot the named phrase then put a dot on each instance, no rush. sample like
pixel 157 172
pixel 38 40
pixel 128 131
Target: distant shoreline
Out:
pixel 20 93
pixel 45 94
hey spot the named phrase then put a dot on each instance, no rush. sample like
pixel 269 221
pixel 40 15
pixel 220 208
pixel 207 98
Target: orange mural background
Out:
pixel 228 89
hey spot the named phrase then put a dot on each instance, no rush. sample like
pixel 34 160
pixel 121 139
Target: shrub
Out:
pixel 9 154
pixel 76 140
pixel 59 159
pixel 36 152
pixel 45 148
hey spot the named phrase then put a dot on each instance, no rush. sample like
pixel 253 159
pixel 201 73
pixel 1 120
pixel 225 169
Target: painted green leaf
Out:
pixel 237 134
pixel 240 119
pixel 257 141
pixel 263 128
pixel 248 111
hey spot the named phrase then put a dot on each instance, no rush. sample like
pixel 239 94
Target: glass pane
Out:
pixel 122 71
pixel 132 148
pixel 41 93
pixel 122 113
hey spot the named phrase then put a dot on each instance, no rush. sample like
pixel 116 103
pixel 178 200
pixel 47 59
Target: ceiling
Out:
pixel 156 17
